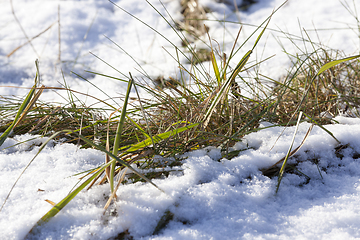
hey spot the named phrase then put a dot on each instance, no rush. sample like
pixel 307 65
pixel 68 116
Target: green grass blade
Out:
pixel 58 207
pixel 216 69
pixel 160 137
pixel 333 63
pixel 23 106
pixel 118 133
pixel 122 119
pixel 138 127
pixel 262 32
pixel 240 65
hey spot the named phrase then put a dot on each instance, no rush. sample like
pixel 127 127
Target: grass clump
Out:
pixel 199 109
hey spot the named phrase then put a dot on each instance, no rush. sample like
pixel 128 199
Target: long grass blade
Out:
pixel 118 133
pixel 30 105
pixel 215 67
pixel 282 170
pixel 333 63
pixel 240 65
pixel 262 32
pixel 295 150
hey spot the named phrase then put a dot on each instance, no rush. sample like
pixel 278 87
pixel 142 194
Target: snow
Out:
pixel 210 197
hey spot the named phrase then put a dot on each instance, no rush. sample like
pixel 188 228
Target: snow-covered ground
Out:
pixel 209 197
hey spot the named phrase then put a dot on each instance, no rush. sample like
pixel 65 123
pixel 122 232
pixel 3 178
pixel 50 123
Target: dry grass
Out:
pixel 193 23
pixel 333 92
pixel 178 104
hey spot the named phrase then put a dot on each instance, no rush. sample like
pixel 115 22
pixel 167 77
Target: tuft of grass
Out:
pixel 200 108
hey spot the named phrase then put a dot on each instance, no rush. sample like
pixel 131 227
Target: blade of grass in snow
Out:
pixel 67 199
pixel 214 63
pixel 215 67
pixel 118 133
pixel 282 170
pixel 30 105
pixel 292 152
pixel 58 207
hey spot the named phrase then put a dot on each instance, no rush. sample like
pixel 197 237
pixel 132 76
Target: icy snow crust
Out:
pixel 211 198
pixel 214 198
